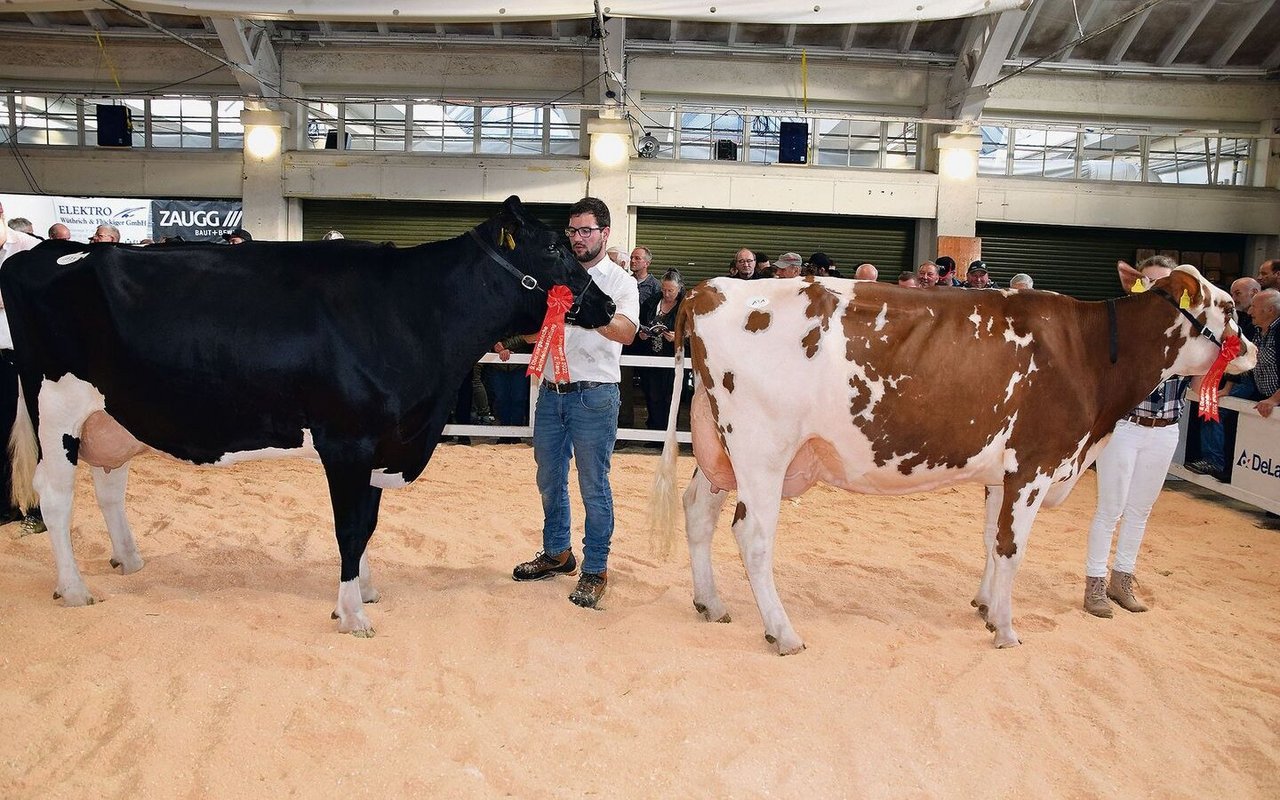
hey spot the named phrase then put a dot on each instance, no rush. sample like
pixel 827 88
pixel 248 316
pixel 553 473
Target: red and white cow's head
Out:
pixel 1207 319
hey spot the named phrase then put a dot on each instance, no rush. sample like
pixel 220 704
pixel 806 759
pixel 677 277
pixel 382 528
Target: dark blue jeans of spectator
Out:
pixel 580 425
pixel 1213 435
pixel 510 395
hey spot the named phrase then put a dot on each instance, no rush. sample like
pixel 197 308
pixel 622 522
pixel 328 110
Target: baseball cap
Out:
pixel 238 233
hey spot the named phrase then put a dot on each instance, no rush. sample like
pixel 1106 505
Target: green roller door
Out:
pixel 408 222
pixel 700 243
pixel 1081 262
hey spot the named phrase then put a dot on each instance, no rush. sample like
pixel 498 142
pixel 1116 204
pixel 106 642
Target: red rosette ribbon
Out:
pixel 1209 383
pixel 551 337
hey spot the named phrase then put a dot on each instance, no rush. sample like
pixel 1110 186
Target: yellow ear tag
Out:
pixel 508 241
pixel 1185 302
pixel 1139 286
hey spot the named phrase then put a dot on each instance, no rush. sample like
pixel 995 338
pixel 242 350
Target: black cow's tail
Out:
pixel 23 455
pixel 662 499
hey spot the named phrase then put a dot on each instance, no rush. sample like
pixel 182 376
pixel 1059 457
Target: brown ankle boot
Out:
pixel 1120 589
pixel 1095 597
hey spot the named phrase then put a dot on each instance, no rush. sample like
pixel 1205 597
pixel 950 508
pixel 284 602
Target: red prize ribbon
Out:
pixel 1209 383
pixel 551 337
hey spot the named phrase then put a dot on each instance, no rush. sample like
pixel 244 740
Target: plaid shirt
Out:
pixel 1265 376
pixel 1165 402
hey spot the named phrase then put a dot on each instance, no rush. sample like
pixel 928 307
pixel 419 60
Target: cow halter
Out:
pixel 527 281
pixel 1200 328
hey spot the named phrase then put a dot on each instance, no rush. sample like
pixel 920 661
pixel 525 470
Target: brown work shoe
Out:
pixel 1095 597
pixel 544 566
pixel 590 589
pixel 1120 589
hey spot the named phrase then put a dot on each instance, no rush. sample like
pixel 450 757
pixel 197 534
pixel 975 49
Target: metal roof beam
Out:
pixel 1080 31
pixel 259 72
pixel 95 18
pixel 981 57
pixel 1242 31
pixel 849 33
pixel 1027 23
pixel 1179 41
pixel 1125 40
pixel 908 34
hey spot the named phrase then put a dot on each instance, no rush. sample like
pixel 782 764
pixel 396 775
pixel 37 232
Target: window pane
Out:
pixel 230 129
pixel 46 120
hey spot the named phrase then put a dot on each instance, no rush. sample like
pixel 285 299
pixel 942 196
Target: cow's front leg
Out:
pixel 109 487
pixel 355 514
pixel 1018 507
pixel 55 481
pixel 982 600
pixel 755 525
pixel 701 510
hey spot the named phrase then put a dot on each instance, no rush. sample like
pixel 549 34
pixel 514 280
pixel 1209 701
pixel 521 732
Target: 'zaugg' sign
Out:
pixel 194 220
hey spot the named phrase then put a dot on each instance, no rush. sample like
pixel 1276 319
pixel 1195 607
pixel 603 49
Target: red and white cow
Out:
pixel 807 380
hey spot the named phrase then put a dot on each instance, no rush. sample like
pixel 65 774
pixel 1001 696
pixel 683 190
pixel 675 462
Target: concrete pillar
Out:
pixel 266 214
pixel 957 183
pixel 608 170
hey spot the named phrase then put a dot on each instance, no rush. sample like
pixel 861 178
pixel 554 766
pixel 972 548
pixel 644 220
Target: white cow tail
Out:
pixel 662 499
pixel 22 456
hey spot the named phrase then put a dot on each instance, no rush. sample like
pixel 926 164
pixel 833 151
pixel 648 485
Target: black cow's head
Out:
pixel 543 254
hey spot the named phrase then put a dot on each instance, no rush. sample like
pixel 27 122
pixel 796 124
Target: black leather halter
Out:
pixel 1199 326
pixel 527 281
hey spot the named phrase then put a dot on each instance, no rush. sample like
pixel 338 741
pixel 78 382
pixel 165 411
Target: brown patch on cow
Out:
pixel 758 321
pixel 810 341
pixel 703 299
pixel 739 512
pixel 698 354
pixel 859 396
pixel 822 303
pixel 727 382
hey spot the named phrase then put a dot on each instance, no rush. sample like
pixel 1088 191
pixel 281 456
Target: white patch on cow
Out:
pixel 382 479
pixel 1010 336
pixel 976 319
pixel 882 318
pixel 1010 461
pixel 991 321
pixel 307 450
pixel 1014 380
pixel 71 258
pixel 758 302
pixel 930 310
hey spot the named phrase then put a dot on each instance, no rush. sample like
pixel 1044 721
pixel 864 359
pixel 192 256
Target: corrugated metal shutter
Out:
pixel 1081 262
pixel 407 222
pixel 700 243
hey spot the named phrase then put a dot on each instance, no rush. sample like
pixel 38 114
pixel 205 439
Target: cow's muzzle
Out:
pixel 591 308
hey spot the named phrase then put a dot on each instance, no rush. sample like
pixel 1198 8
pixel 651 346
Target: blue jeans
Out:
pixel 581 425
pixel 1213 435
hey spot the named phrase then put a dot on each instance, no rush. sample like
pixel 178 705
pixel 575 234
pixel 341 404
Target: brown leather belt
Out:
pixel 1150 422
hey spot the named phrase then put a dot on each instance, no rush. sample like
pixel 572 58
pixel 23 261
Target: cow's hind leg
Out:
pixel 55 481
pixel 355 513
pixel 982 600
pixel 109 487
pixel 701 510
pixel 755 525
pixel 1022 499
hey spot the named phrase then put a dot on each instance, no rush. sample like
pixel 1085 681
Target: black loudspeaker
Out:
pixel 115 126
pixel 331 140
pixel 793 143
pixel 726 150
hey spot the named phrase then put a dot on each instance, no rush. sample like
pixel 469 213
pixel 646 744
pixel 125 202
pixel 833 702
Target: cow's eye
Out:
pixel 553 247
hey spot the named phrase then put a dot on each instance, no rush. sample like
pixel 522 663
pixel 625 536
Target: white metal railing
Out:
pixel 525 431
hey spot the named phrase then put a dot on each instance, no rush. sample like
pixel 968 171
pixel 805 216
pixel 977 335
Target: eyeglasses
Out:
pixel 581 233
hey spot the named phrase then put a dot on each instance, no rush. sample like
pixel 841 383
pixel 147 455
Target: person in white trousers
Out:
pixel 1131 472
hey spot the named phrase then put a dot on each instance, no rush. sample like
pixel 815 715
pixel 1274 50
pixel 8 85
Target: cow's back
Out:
pixel 874 387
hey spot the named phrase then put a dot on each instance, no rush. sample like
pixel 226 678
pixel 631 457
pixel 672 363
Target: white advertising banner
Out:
pixel 1257 457
pixel 83 215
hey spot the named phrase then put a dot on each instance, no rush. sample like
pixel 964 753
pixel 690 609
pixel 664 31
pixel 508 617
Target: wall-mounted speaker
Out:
pixel 793 143
pixel 331 140
pixel 115 126
pixel 726 150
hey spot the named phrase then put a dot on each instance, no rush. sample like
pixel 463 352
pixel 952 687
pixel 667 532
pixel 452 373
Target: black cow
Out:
pixel 346 351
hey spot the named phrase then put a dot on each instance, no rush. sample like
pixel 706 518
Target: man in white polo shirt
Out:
pixel 579 419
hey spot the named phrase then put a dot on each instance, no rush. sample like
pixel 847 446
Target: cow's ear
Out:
pixel 1185 288
pixel 508 227
pixel 1130 277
